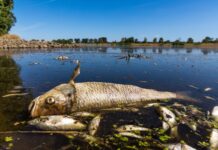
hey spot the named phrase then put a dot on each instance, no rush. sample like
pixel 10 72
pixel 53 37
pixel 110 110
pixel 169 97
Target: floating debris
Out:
pixel 94 125
pixel 61 123
pixel 125 128
pixel 214 139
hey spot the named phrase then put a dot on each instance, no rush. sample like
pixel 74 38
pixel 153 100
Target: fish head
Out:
pixel 57 101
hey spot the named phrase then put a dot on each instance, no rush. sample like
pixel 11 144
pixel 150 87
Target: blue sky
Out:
pixel 171 19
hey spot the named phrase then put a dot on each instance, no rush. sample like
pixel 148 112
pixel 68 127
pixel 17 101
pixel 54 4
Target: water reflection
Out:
pixel 12 109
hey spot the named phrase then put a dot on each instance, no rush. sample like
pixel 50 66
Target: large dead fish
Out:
pixel 89 96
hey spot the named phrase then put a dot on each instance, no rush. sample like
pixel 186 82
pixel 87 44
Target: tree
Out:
pixel 136 41
pixel 207 40
pixel 161 40
pixel 85 40
pixel 216 40
pixel 77 40
pixel 7 18
pixel 155 40
pixel 190 40
pixel 102 40
pixel 145 40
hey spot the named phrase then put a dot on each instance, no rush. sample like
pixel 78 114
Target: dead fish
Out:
pixel 132 135
pixel 94 125
pixel 62 58
pixel 180 146
pixel 215 113
pixel 89 96
pixel 125 128
pixel 83 114
pixel 194 87
pixel 210 98
pixel 207 89
pixel 19 87
pixel 214 139
pixel 168 116
pixel 14 91
pixel 165 126
pixel 15 94
pixel 60 123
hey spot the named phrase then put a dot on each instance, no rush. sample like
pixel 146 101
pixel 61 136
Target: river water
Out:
pixel 188 71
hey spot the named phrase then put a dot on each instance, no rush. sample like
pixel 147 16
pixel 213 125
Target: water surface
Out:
pixel 178 70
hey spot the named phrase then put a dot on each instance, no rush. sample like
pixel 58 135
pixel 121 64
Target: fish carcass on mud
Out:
pixel 89 96
pixel 60 123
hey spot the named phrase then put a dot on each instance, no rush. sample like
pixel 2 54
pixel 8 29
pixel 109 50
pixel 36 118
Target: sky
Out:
pixel 171 19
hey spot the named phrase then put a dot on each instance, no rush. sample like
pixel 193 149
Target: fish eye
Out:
pixel 50 100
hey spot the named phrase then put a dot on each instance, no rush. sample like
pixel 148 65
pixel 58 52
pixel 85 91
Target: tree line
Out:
pixel 130 40
pixel 7 18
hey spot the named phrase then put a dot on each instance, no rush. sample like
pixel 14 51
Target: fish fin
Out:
pixel 186 96
pixel 76 72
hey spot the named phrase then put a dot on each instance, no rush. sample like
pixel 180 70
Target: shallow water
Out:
pixel 176 70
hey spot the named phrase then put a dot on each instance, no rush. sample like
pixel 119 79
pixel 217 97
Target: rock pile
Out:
pixel 22 44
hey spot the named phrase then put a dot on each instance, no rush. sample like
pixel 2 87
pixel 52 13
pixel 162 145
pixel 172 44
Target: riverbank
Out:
pixel 15 42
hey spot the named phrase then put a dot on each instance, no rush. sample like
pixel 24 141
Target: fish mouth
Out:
pixel 32 108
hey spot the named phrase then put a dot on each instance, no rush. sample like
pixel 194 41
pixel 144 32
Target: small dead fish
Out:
pixel 214 139
pixel 194 87
pixel 94 124
pixel 62 58
pixel 132 135
pixel 131 128
pixel 15 94
pixel 180 147
pixel 14 91
pixel 61 123
pixel 83 114
pixel 207 89
pixel 210 98
pixel 19 87
pixel 143 81
pixel 215 113
pixel 168 116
